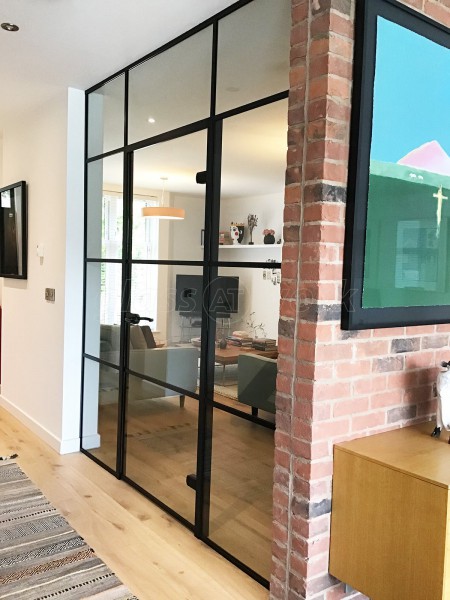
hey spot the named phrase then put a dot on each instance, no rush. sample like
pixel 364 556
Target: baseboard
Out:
pixel 60 446
pixel 91 441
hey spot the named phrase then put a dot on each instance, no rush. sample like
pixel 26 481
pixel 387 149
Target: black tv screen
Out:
pixel 224 295
pixel 13 231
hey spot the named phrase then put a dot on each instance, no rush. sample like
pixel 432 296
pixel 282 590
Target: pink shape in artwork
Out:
pixel 428 157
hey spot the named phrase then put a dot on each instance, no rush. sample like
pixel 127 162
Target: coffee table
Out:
pixel 230 355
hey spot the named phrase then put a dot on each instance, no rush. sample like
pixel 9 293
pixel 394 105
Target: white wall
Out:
pixel 268 208
pixel 257 295
pixel 35 150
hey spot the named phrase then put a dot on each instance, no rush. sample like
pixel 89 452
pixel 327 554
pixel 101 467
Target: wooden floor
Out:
pixel 157 558
pixel 162 451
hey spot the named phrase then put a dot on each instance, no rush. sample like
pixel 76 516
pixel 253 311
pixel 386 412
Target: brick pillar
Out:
pixel 332 384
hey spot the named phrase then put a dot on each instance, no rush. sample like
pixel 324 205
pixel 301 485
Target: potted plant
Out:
pixel 269 236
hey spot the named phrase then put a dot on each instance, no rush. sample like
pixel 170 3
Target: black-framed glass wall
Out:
pixel 183 407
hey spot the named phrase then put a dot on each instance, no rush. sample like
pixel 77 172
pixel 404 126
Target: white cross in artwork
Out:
pixel 440 197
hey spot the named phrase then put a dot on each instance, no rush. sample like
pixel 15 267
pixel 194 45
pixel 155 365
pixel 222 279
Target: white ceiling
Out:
pixel 77 43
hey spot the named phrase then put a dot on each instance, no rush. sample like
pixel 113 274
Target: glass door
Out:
pixel 245 355
pixel 164 321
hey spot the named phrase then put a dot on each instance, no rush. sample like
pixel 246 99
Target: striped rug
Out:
pixel 41 556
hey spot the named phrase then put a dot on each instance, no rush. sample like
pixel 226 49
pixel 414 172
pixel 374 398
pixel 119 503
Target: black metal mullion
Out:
pixel 125 108
pixel 105 155
pixel 243 415
pixel 163 384
pixel 170 135
pixel 104 260
pixel 211 242
pixel 126 296
pixel 175 263
pixel 253 105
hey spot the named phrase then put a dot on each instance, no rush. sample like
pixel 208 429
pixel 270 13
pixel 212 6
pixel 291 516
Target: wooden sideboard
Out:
pixel 390 529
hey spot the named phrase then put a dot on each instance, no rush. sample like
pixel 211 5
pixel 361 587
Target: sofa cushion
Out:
pixel 109 337
pixel 137 339
pixel 257 376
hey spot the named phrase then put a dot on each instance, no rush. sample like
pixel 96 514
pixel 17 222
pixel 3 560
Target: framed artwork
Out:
pixel 397 244
pixel 13 231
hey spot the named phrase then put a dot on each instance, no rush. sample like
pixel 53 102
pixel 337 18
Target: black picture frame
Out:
pixel 13 231
pixel 354 316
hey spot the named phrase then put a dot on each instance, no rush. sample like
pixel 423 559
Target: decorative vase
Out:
pixel 269 239
pixel 234 232
pixel 223 343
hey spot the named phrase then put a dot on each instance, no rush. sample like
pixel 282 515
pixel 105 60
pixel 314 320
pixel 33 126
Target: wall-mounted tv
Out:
pixel 224 295
pixel 13 231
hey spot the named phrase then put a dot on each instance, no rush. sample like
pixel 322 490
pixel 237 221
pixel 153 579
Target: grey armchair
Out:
pixel 257 376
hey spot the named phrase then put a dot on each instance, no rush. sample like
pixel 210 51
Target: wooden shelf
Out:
pixel 247 246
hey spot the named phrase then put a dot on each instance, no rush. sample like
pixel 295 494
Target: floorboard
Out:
pixel 155 556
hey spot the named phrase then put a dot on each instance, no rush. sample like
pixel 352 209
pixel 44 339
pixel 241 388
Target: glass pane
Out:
pixel 245 379
pixel 100 410
pixel 408 211
pixel 172 89
pixel 241 490
pixel 167 348
pixel 103 310
pixel 253 59
pixel 161 442
pixel 106 117
pixel 252 188
pixel 165 176
pixel 105 208
pixel 249 330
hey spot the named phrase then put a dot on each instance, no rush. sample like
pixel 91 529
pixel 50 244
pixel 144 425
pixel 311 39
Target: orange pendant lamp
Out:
pixel 161 211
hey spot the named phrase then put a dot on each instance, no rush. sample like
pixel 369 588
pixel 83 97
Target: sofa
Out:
pixel 175 366
pixel 257 376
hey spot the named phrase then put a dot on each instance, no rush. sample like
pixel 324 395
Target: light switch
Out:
pixel 50 294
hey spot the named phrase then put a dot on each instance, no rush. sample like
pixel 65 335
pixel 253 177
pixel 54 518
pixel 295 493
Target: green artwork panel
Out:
pixel 407 237
pixel 406 245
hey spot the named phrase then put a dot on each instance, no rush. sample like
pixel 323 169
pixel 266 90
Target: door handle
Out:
pixel 134 318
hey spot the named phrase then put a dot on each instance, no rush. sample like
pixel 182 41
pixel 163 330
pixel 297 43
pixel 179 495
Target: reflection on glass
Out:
pixel 245 379
pixel 105 208
pixel 100 406
pixel 167 348
pixel 103 310
pixel 407 239
pixel 161 442
pixel 165 175
pixel 246 340
pixel 105 117
pixel 253 55
pixel 171 89
pixel 241 490
pixel 252 184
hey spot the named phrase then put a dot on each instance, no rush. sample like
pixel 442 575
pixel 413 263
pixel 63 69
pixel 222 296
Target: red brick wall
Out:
pixel 332 384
